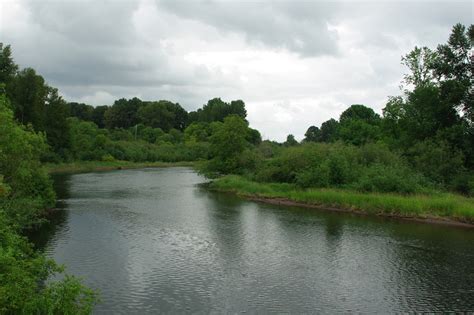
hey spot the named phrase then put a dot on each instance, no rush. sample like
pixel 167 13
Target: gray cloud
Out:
pixel 299 26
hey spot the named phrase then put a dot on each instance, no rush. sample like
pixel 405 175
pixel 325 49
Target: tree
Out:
pixel 123 113
pixel 227 144
pixel 217 110
pixel 20 152
pixel 156 115
pixel 28 92
pixel 56 126
pixel 358 125
pixel 180 115
pixel 197 132
pixel 329 130
pixel 454 70
pixel 290 141
pixel 359 112
pixel 8 68
pixel 253 136
pixel 98 115
pixel 81 111
pixel 26 285
pixel 420 61
pixel 313 134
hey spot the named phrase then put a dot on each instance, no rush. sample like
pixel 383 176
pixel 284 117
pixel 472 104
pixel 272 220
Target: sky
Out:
pixel 294 63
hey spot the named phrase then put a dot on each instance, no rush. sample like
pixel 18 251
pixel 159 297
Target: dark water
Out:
pixel 153 241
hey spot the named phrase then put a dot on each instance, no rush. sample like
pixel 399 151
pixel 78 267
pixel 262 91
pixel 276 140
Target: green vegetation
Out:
pixel 408 161
pixel 25 191
pixel 439 205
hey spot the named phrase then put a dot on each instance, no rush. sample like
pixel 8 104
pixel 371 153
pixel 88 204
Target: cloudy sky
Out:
pixel 294 63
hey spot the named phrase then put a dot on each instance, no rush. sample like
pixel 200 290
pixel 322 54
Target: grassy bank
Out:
pixel 437 206
pixel 95 166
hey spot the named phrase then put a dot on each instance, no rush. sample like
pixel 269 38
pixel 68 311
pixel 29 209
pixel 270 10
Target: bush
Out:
pixel 389 179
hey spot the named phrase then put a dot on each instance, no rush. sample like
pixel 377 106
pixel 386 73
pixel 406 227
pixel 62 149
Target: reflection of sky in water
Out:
pixel 152 240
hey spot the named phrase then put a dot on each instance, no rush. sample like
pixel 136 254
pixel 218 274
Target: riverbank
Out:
pixel 437 208
pixel 97 166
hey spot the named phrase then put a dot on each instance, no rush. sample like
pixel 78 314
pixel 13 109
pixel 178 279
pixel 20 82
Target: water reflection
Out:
pixel 154 241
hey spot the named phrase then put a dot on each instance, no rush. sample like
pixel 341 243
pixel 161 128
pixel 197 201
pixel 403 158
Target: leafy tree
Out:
pixel 217 110
pixel 359 112
pixel 358 132
pixel 420 62
pixel 156 115
pixel 98 115
pixel 150 134
pixel 81 111
pixel 253 136
pixel 454 69
pixel 8 68
pixel 180 115
pixel 197 132
pixel 28 93
pixel 290 141
pixel 25 191
pixel 329 130
pixel 83 138
pixel 20 152
pixel 176 136
pixel 313 134
pixel 227 143
pixel 123 113
pixel 56 126
pixel 358 125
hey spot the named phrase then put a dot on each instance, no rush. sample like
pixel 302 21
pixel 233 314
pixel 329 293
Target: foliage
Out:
pixel 122 114
pixel 290 141
pixel 25 191
pixel 20 150
pixel 372 167
pixel 8 68
pixel 228 141
pixel 217 110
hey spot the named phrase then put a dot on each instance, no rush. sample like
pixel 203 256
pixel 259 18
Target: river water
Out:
pixel 153 240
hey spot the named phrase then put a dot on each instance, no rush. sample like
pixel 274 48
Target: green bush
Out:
pixel 388 179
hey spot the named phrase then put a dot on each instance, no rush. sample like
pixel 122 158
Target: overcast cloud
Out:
pixel 294 63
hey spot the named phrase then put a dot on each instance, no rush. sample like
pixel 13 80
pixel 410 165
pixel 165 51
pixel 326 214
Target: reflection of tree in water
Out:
pixel 334 228
pixel 41 236
pixel 434 270
pixel 225 222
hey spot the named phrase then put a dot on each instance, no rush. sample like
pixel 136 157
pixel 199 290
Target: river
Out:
pixel 154 240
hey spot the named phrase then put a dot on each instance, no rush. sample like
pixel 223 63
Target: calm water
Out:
pixel 153 241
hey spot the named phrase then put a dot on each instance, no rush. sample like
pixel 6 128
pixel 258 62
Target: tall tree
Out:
pixel 227 144
pixel 313 134
pixel 157 115
pixel 56 126
pixel 28 92
pixel 123 113
pixel 8 68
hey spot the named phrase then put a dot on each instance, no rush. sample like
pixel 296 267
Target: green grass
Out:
pixel 94 166
pixel 436 205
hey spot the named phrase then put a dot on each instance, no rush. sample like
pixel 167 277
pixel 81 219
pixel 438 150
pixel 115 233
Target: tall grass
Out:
pixel 441 205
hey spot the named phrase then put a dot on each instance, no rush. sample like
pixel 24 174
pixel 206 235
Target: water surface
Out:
pixel 152 241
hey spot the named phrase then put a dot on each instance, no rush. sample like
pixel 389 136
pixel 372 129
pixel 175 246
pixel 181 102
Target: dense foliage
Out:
pixel 25 191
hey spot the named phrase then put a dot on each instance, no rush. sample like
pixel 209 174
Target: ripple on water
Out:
pixel 151 241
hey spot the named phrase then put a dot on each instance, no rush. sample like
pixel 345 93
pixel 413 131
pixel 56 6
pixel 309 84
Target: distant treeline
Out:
pixel 80 131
